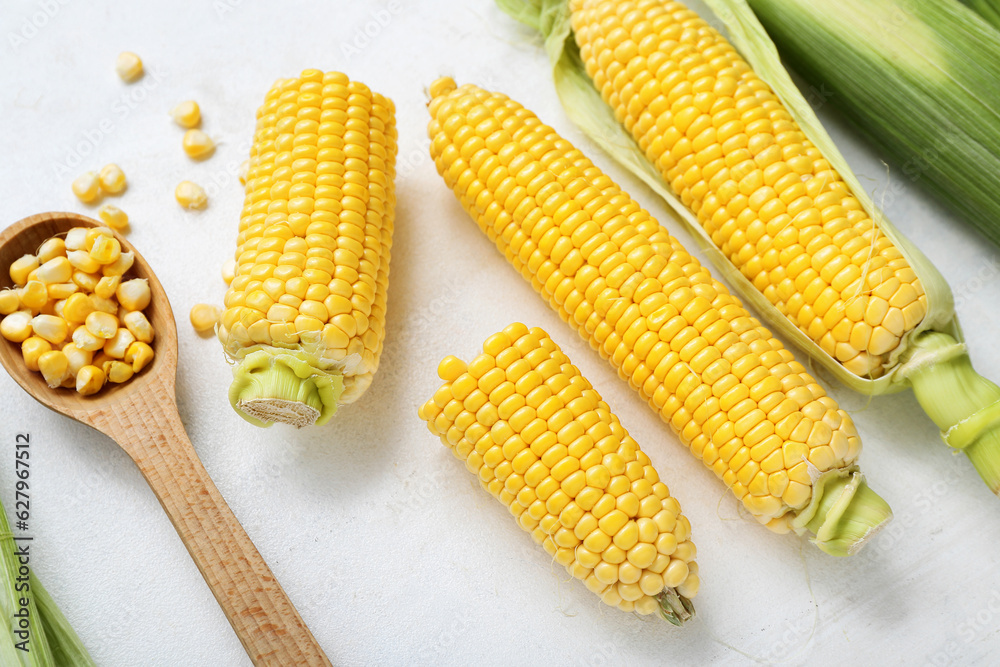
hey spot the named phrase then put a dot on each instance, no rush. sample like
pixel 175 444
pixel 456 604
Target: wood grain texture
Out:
pixel 141 416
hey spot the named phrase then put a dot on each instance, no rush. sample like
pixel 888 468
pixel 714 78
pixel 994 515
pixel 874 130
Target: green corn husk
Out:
pixel 988 9
pixel 920 79
pixel 936 343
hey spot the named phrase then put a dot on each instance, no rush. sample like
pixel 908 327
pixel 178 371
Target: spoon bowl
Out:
pixel 141 417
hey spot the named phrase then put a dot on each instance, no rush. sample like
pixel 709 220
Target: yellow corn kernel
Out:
pixel 84 340
pixel 109 306
pixel 134 294
pixel 51 328
pixel 82 261
pixel 190 195
pixel 113 216
pixel 56 270
pixel 9 301
pixel 77 358
pixel 16 327
pixel 139 354
pixel 21 267
pixel 50 249
pixel 229 271
pixel 204 316
pixel 34 295
pixel 116 346
pixel 119 371
pixel 102 325
pixel 87 187
pixel 105 250
pixel 186 114
pixel 54 367
pixel 128 66
pixel 32 348
pixel 107 286
pixel 89 380
pixel 580 539
pixel 60 291
pixel 95 233
pixel 120 266
pixel 197 144
pixel 112 180
pixel 76 239
pixel 139 326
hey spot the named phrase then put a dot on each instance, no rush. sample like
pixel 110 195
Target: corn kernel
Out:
pixel 229 271
pixel 34 295
pixel 85 340
pixel 93 234
pixel 51 328
pixel 21 267
pixel 102 325
pixel 139 326
pixel 204 316
pixel 89 380
pixel 119 371
pixel 121 265
pixel 197 144
pixel 76 239
pixel 117 345
pixel 9 301
pixel 186 114
pixel 139 354
pixel 243 171
pixel 190 195
pixel 77 358
pixel 87 187
pixel 54 367
pixel 134 294
pixel 112 181
pixel 60 291
pixel 32 349
pixel 16 327
pixel 51 248
pixel 113 216
pixel 128 66
pixel 105 250
pixel 107 286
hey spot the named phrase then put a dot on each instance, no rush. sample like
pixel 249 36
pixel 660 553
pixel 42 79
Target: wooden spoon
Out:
pixel 141 416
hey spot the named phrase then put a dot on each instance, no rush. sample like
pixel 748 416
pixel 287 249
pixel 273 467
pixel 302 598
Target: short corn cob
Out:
pixel 543 443
pixel 733 394
pixel 305 313
pixel 769 199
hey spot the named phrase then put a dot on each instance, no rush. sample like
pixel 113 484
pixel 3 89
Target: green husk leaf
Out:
pixel 38 654
pixel 67 649
pixel 843 514
pixel 988 9
pixel 585 107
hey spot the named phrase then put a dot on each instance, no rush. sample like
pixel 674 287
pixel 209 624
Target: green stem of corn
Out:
pixel 675 608
pixel 270 387
pixel 963 404
pixel 844 513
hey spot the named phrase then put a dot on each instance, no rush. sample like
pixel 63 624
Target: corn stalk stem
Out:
pixel 273 387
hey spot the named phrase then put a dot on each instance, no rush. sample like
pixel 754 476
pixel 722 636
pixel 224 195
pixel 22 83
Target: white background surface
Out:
pixel 388 547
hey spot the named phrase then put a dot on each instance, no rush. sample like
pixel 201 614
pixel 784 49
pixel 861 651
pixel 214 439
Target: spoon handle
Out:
pixel 266 622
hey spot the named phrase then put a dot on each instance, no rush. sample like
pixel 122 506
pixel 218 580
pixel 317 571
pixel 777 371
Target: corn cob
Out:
pixel 733 394
pixel 304 315
pixel 775 206
pixel 543 443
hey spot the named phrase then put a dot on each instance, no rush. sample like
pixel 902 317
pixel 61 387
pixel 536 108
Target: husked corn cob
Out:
pixel 769 199
pixel 733 394
pixel 305 312
pixel 543 443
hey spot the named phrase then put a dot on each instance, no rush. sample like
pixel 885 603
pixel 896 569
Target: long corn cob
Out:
pixel 542 442
pixel 760 184
pixel 733 394
pixel 305 313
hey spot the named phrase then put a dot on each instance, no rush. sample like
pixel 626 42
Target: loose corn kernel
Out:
pixel 51 328
pixel 32 349
pixel 51 248
pixel 54 367
pixel 82 261
pixel 204 316
pixel 121 265
pixel 109 305
pixel 89 380
pixel 118 345
pixel 139 354
pixel 101 324
pixel 128 66
pixel 95 233
pixel 107 286
pixel 56 270
pixel 85 340
pixel 60 291
pixel 190 195
pixel 197 144
pixel 34 295
pixel 9 302
pixel 134 294
pixel 549 510
pixel 112 180
pixel 119 372
pixel 21 267
pixel 16 327
pixel 76 239
pixel 77 357
pixel 87 187
pixel 77 307
pixel 186 114
pixel 103 361
pixel 105 250
pixel 113 216
pixel 139 326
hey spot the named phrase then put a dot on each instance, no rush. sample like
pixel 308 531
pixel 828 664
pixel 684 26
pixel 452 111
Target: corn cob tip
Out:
pixel 270 388
pixel 675 609
pixel 844 514
pixel 442 86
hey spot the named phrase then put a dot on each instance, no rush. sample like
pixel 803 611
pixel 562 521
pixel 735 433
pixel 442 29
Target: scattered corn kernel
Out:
pixel 89 380
pixel 94 233
pixel 21 267
pixel 118 345
pixel 9 302
pixel 87 187
pixel 82 261
pixel 113 216
pixel 190 195
pixel 107 286
pixel 56 270
pixel 129 66
pixel 112 179
pixel 134 294
pixel 105 250
pixel 85 340
pixel 53 247
pixel 60 291
pixel 51 328
pixel 54 367
pixel 86 281
pixel 197 144
pixel 186 114
pixel 121 265
pixel 33 295
pixel 139 354
pixel 204 316
pixel 77 357
pixel 139 326
pixel 119 372
pixel 101 324
pixel 32 348
pixel 16 327
pixel 76 239
pixel 77 307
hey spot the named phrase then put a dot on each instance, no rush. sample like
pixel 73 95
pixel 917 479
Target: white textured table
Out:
pixel 385 543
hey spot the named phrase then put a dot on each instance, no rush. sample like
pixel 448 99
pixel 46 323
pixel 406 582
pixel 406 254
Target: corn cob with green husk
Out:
pixel 733 147
pixel 733 394
pixel 988 9
pixel 526 422
pixel 305 312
